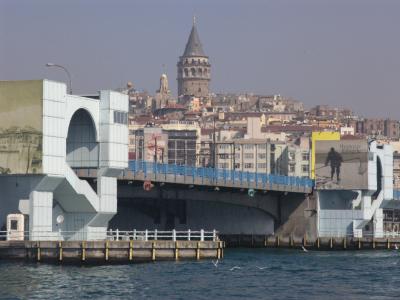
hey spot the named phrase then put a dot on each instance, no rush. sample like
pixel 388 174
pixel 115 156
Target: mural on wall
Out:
pixel 341 164
pixel 21 127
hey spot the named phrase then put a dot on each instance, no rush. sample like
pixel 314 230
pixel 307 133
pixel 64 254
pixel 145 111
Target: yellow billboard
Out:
pixel 321 136
pixel 21 110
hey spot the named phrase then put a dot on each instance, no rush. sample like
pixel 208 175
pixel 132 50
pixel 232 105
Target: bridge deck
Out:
pixel 168 173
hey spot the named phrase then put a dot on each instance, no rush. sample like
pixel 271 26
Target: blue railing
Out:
pixel 220 176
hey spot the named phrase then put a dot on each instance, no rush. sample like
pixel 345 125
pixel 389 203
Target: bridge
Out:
pixel 139 170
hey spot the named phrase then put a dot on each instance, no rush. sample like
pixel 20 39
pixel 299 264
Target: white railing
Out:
pixel 335 234
pixel 112 234
pixel 153 235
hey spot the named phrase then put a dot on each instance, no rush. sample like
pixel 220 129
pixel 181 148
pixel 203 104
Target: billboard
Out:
pixel 21 127
pixel 341 165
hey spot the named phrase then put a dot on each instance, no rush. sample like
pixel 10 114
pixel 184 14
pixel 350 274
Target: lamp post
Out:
pixel 66 71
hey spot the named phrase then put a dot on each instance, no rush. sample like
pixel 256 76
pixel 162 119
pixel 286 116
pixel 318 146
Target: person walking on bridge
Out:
pixel 335 160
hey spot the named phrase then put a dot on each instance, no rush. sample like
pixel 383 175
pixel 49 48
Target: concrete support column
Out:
pixel 107 193
pixel 40 215
pixel 378 223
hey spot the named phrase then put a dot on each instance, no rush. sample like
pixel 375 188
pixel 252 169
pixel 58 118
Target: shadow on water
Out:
pixel 242 274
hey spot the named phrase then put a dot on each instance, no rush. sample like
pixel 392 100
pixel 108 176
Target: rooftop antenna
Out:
pixel 194 20
pixel 164 69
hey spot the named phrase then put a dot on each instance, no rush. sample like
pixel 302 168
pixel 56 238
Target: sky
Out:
pixel 342 53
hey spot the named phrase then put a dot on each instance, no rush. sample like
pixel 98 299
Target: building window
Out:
pixel 292 168
pixel 262 155
pixel 305 168
pixel 305 156
pixel 237 166
pixel 262 166
pixel 120 117
pixel 223 155
pixel 224 146
pixel 248 165
pixel 248 146
pixel 223 165
pixel 248 155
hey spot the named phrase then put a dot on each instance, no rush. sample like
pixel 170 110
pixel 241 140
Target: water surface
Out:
pixel 242 274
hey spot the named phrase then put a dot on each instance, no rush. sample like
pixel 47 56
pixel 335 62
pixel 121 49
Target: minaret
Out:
pixel 193 68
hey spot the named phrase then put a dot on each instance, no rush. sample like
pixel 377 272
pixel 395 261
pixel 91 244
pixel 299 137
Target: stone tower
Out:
pixel 193 68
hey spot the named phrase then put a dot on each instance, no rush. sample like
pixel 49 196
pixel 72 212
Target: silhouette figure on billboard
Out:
pixel 335 160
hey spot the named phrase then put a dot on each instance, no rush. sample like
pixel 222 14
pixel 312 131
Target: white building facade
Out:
pixel 76 132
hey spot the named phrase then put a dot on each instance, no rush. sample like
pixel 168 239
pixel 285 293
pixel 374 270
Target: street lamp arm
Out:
pixel 66 71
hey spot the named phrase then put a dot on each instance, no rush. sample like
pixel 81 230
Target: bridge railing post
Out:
pixel 202 235
pixel 188 234
pixel 146 235
pixel 174 235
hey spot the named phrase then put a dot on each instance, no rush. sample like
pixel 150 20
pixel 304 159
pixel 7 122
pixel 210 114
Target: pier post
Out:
pixel 153 251
pixel 359 243
pixel 38 251
pixel 305 240
pixel 388 243
pixel 331 243
pixel 60 251
pixel 130 249
pixel 176 251
pixel 83 250
pixel 373 243
pixel 318 243
pixel 106 251
pixel 344 243
pixel 198 251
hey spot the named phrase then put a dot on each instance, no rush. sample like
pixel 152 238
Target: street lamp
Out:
pixel 66 71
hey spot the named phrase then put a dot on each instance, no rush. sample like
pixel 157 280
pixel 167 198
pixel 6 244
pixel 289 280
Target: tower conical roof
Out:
pixel 193 45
